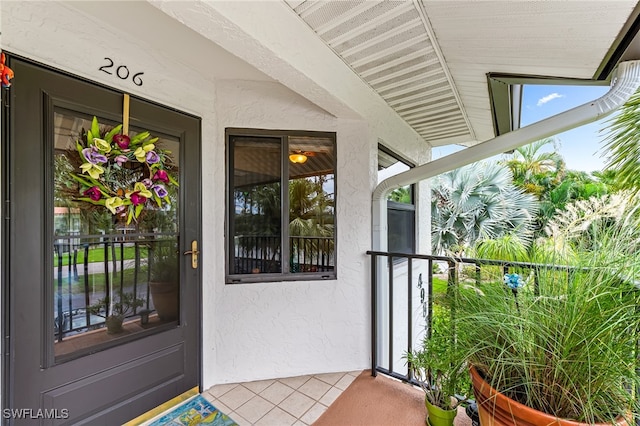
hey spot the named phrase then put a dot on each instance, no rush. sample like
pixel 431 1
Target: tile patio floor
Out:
pixel 295 401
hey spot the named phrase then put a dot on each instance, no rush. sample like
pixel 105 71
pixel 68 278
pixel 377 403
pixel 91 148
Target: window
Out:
pixel 281 205
pixel 401 210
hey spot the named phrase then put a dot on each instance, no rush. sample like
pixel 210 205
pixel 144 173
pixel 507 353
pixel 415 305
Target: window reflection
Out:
pixel 269 171
pixel 103 268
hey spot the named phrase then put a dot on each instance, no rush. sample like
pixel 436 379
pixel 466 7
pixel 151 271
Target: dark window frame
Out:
pixel 393 205
pixel 285 274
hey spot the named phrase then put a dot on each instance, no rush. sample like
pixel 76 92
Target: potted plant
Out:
pixel 164 283
pixel 115 310
pixel 561 346
pixel 440 368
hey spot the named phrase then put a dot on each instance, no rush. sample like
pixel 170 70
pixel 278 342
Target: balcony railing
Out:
pixel 259 253
pixel 80 281
pixel 402 300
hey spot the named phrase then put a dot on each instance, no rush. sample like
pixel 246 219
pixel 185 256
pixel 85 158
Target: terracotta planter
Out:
pixel 495 409
pixel 165 296
pixel 437 416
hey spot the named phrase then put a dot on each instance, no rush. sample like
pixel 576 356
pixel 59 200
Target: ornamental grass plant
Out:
pixel 566 341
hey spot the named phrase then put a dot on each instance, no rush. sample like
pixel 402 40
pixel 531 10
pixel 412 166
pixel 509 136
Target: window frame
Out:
pixel 285 274
pixel 394 205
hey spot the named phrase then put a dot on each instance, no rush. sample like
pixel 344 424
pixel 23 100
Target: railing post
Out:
pixel 374 315
pixel 60 313
pixel 70 284
pixel 107 289
pixel 87 301
pixel 409 313
pixel 390 259
pixel 429 318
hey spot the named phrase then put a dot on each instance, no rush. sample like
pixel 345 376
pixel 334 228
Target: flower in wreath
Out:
pixel 125 175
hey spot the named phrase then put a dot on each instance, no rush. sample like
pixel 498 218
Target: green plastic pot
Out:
pixel 437 416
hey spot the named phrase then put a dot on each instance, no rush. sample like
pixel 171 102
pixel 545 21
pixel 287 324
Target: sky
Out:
pixel 580 147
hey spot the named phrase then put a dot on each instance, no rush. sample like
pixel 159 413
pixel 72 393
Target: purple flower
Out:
pixel 147 182
pixel 93 193
pixel 93 156
pixel 136 199
pixel 122 141
pixel 160 191
pixel 121 159
pixel 152 157
pixel 161 175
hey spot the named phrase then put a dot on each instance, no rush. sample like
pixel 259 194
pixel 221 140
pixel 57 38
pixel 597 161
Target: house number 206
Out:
pixel 121 71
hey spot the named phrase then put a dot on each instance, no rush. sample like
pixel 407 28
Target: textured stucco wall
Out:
pixel 250 331
pixel 283 329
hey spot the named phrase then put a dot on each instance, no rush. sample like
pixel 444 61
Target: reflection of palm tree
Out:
pixel 311 216
pixel 401 195
pixel 257 221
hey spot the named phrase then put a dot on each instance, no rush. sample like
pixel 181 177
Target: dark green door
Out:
pixel 92 239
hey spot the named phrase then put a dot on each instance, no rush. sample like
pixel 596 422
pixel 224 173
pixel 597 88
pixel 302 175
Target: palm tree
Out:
pixel 533 169
pixel 479 201
pixel 622 144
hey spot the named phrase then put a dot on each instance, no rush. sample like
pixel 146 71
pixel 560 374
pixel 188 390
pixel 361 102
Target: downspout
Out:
pixel 623 85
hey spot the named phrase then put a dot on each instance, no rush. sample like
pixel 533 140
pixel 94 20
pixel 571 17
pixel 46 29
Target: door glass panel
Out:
pixel 110 268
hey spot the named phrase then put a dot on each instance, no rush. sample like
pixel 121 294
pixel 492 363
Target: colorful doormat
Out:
pixel 192 412
pixel 188 409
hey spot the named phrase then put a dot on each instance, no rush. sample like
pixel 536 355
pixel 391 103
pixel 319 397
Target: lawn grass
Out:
pixel 439 285
pixel 98 281
pixel 96 254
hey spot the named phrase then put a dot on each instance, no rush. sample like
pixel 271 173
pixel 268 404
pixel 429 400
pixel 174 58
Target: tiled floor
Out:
pixel 292 401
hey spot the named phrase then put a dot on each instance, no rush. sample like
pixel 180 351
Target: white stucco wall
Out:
pixel 250 331
pixel 282 329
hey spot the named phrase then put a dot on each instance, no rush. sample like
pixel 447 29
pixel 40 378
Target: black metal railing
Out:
pixel 257 253
pixel 89 268
pixel 395 276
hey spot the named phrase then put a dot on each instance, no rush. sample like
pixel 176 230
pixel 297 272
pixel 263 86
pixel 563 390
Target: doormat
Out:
pixel 188 409
pixel 194 411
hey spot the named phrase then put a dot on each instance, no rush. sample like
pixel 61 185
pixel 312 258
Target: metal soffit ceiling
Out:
pixel 429 60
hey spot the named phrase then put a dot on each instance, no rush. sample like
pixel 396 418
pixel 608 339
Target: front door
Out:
pixel 102 303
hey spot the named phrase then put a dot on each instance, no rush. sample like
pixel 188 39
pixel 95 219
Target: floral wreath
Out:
pixel 125 175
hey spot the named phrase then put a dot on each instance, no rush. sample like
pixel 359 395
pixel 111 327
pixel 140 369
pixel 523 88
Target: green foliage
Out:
pixel 401 195
pixel 622 145
pixel 125 304
pixel 544 175
pixel 506 247
pixel 163 261
pixel 534 169
pixel 440 365
pixel 568 346
pixel 478 201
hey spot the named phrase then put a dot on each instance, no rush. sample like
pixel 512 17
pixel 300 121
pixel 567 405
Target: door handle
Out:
pixel 194 254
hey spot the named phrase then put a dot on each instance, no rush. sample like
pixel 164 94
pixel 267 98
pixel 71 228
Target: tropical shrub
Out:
pixel 478 201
